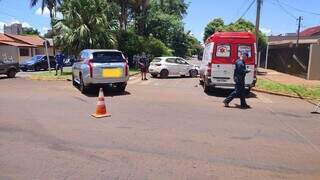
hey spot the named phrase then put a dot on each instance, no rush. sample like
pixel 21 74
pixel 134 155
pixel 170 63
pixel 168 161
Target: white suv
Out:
pixel 172 66
pixel 100 67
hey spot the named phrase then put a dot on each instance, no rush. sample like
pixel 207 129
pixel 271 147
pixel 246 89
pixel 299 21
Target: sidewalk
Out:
pixel 283 78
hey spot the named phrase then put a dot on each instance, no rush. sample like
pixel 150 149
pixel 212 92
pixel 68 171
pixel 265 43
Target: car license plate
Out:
pixel 112 73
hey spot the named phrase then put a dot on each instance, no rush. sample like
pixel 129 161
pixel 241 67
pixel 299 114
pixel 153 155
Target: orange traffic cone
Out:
pixel 101 110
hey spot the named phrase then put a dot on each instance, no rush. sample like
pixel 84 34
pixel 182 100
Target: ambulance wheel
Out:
pixel 206 88
pixel 201 82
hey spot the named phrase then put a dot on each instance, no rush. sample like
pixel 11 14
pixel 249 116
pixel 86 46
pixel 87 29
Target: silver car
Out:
pixel 100 67
pixel 172 66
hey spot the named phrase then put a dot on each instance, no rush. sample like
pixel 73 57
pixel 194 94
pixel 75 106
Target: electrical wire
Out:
pixel 246 11
pixel 243 4
pixel 298 9
pixel 285 10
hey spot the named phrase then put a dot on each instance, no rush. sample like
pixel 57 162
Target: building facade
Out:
pixel 15 29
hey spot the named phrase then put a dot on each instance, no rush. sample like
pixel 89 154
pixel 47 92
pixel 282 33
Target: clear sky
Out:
pixel 274 18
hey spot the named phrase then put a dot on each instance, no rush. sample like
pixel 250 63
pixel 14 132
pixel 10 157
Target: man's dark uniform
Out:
pixel 239 78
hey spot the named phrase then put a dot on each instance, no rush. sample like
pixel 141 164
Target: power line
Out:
pixel 243 4
pixel 285 10
pixel 298 9
pixel 246 11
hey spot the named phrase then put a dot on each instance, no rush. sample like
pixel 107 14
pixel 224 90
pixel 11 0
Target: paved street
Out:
pixel 159 129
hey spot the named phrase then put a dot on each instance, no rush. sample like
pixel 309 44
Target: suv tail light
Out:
pixel 157 64
pixel 90 64
pixel 126 66
pixel 209 69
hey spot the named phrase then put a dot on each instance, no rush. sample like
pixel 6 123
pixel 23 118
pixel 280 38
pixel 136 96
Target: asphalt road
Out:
pixel 159 129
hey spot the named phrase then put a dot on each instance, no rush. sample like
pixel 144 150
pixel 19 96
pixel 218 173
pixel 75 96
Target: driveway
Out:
pixel 159 129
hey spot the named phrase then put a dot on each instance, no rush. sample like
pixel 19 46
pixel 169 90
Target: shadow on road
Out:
pixel 174 77
pixel 219 92
pixel 6 77
pixel 107 91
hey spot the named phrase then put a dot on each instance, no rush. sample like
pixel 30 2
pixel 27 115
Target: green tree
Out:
pixel 49 34
pixel 139 14
pixel 240 25
pixel 30 31
pixel 50 4
pixel 215 25
pixel 177 8
pixel 79 29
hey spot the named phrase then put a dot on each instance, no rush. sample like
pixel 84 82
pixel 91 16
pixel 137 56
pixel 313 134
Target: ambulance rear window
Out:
pixel 223 50
pixel 244 48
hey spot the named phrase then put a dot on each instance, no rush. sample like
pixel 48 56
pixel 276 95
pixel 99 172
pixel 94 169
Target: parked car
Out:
pixel 70 61
pixel 221 51
pixel 100 67
pixel 37 63
pixel 172 66
pixel 9 68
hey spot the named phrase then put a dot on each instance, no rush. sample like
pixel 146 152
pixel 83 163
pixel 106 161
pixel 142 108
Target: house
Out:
pixel 313 31
pixel 302 59
pixel 22 47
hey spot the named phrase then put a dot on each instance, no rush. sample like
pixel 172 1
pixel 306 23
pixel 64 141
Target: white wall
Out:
pixel 8 52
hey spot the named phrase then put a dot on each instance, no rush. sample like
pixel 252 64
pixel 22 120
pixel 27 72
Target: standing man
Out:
pixel 143 65
pixel 59 62
pixel 239 78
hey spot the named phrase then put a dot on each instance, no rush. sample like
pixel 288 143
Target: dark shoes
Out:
pixel 225 104
pixel 245 107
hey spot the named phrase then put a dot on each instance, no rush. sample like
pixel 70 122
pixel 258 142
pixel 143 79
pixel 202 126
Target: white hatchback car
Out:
pixel 172 66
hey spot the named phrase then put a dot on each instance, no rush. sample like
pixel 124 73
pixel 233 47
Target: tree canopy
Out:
pixel 218 25
pixel 84 25
pixel 30 31
pixel 133 26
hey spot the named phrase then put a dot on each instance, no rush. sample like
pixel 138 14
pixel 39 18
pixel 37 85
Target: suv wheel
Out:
pixel 164 73
pixel 37 68
pixel 12 73
pixel 121 87
pixel 73 81
pixel 83 87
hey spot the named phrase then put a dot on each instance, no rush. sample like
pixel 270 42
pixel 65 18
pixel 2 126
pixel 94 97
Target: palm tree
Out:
pixel 50 4
pixel 84 25
pixel 140 8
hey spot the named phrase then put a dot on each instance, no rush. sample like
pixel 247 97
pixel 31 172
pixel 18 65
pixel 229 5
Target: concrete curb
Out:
pixel 285 95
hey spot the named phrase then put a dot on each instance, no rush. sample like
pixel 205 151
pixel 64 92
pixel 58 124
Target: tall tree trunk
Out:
pixel 124 14
pixel 52 31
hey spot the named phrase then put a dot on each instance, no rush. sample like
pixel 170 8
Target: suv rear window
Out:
pixel 107 57
pixel 156 60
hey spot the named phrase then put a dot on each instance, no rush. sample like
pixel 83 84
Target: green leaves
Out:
pixel 217 25
pixel 85 25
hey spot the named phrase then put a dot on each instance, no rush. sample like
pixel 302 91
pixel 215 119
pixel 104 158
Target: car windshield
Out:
pixel 35 58
pixel 107 57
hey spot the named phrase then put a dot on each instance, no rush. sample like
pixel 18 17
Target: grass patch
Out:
pixel 51 76
pixel 133 70
pixel 298 90
pixel 46 75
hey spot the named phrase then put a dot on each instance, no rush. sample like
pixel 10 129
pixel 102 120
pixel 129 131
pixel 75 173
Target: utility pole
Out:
pixel 259 2
pixel 298 31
